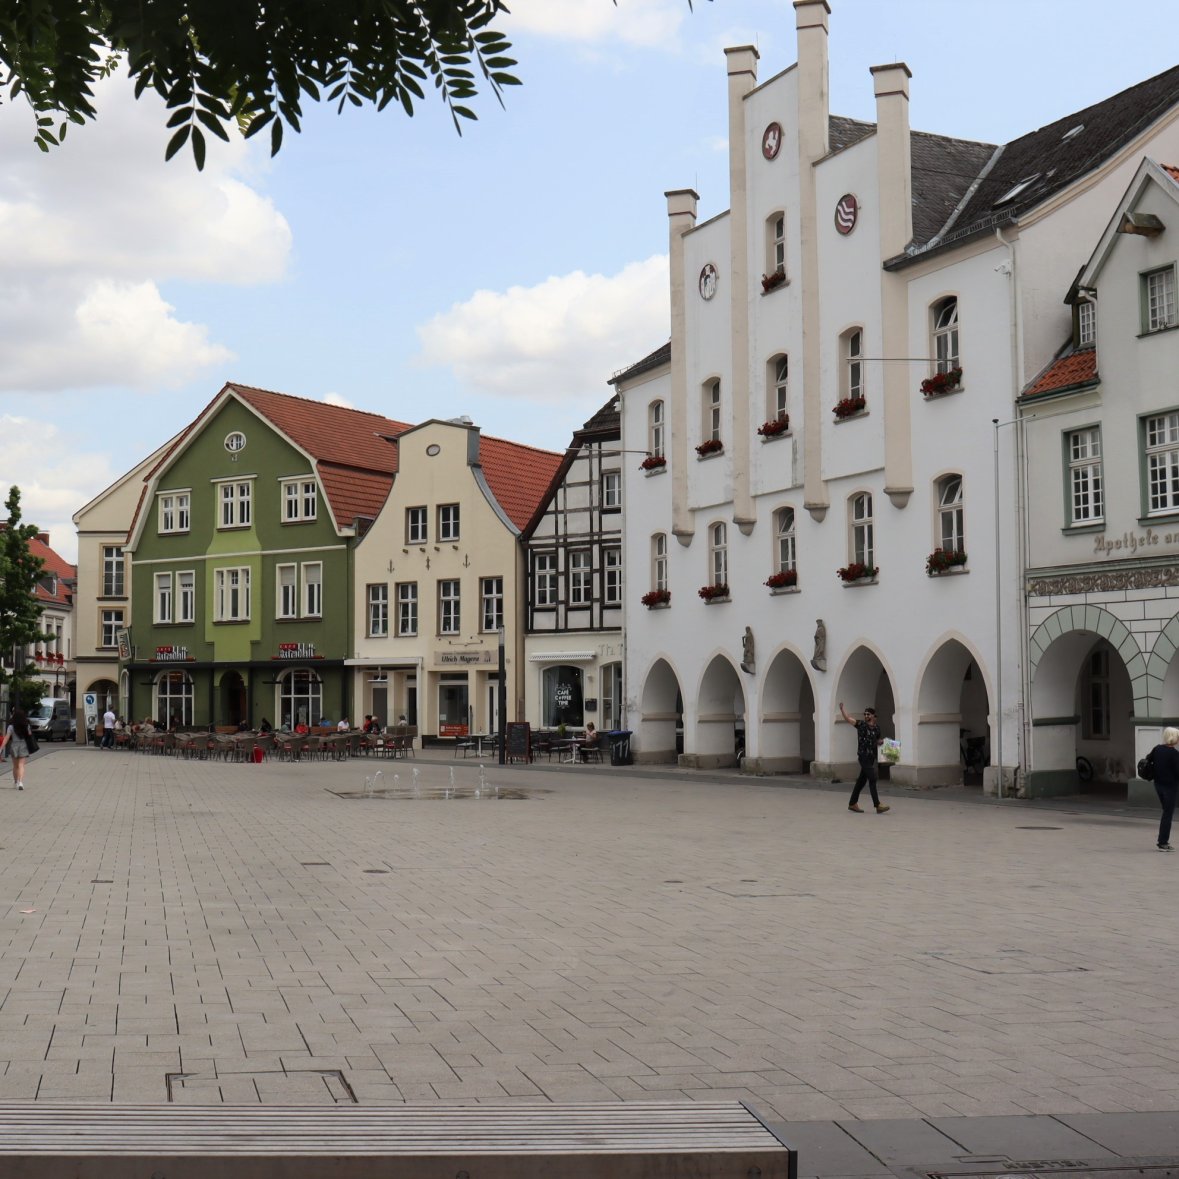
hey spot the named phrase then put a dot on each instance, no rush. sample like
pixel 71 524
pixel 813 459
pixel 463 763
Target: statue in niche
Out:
pixel 819 658
pixel 747 658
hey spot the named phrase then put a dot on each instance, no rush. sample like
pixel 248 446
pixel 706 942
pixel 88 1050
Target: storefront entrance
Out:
pixel 453 706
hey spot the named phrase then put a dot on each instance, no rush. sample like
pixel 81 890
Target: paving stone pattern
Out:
pixel 207 932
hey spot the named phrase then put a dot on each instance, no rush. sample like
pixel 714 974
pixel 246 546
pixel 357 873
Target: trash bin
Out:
pixel 619 746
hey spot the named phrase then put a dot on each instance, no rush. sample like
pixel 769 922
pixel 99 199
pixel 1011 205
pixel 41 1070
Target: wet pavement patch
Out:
pixel 491 794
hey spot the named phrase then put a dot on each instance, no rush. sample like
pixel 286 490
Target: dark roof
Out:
pixel 943 169
pixel 661 355
pixel 607 420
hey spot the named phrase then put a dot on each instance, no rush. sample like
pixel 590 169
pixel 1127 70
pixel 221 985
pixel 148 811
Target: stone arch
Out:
pixel 720 708
pixel 1162 672
pixel 863 679
pixel 953 694
pixel 786 726
pixel 660 714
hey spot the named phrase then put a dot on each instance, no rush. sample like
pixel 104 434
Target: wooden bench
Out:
pixel 624 1140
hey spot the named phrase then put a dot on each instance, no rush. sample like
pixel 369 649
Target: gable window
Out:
pixel 312 589
pixel 950 531
pixel 777 387
pixel 945 336
pixel 449 617
pixel 1086 323
pixel 491 593
pixel 776 244
pixel 174 511
pixel 110 623
pixel 581 578
pixel 236 505
pixel 186 596
pixel 417 528
pixel 544 579
pixel 1086 495
pixel 113 568
pixel 659 561
pixel 288 594
pixel 1162 462
pixel 163 597
pixel 784 541
pixel 711 405
pixel 612 577
pixel 611 491
pixel 298 500
pixel 655 428
pixel 718 554
pixel 448 522
pixel 1158 291
pixel 851 356
pixel 231 595
pixel 863 541
pixel 378 611
pixel 407 608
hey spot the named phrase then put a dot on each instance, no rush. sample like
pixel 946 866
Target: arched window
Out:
pixel 862 548
pixel 777 387
pixel 950 532
pixel 659 561
pixel 300 698
pixel 655 428
pixel 784 546
pixel 776 243
pixel 718 554
pixel 174 699
pixel 945 335
pixel 851 362
pixel 710 402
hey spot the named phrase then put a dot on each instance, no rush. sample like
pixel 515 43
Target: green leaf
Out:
pixel 198 149
pixel 177 141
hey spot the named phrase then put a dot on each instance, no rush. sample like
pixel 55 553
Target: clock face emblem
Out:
pixel 235 442
pixel 847 209
pixel 771 141
pixel 708 280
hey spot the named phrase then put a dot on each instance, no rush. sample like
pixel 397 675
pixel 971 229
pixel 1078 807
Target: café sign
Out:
pixel 296 651
pixel 172 654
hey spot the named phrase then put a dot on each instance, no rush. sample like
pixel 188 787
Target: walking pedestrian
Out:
pixel 1166 782
pixel 868 741
pixel 16 744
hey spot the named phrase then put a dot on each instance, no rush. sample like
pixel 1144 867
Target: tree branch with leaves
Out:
pixel 20 612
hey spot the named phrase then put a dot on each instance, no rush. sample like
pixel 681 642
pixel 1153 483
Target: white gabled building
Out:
pixel 1101 433
pixel 885 293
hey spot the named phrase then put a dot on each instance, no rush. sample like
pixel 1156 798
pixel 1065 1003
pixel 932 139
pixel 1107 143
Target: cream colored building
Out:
pixel 438 574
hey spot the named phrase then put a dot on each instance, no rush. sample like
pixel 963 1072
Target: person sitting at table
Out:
pixel 264 726
pixel 148 727
pixel 591 739
pixel 302 729
pixel 243 725
pixel 343 726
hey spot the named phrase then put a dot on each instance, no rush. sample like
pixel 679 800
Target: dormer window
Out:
pixel 1086 323
pixel 1016 190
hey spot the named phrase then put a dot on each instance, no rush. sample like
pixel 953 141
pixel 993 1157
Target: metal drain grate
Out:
pixel 1039 828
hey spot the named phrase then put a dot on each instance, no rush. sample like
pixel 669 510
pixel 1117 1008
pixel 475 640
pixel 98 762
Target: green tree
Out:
pixel 249 63
pixel 20 613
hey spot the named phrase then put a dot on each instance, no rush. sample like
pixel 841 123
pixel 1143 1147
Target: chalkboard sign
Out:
pixel 519 741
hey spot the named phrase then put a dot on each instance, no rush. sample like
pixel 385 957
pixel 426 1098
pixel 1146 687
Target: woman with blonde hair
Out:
pixel 1166 782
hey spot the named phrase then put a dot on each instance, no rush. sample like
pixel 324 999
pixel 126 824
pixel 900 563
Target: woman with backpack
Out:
pixel 1164 760
pixel 18 743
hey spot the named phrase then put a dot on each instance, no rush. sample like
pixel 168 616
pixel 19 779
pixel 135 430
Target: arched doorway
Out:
pixel 786 737
pixel 660 715
pixel 953 730
pixel 719 738
pixel 863 683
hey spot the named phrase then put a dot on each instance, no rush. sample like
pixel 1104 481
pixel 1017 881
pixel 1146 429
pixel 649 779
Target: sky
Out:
pixel 391 265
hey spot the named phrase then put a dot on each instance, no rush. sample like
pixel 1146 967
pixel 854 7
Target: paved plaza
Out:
pixel 203 932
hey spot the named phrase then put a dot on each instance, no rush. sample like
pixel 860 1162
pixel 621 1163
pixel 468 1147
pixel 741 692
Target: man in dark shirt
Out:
pixel 1166 782
pixel 868 739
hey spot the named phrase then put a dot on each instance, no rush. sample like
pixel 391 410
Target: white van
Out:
pixel 52 719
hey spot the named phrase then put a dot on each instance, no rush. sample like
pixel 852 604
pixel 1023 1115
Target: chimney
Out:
pixel 43 537
pixel 893 157
pixel 681 219
pixel 814 89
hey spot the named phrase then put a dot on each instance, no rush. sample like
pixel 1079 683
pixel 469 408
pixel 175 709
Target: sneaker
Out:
pixel 858 809
pixel 881 809
pixel 1165 847
pixel 21 786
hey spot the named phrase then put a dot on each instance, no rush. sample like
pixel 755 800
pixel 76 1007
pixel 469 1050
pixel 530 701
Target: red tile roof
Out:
pixel 1171 171
pixel 55 566
pixel 1077 368
pixel 518 475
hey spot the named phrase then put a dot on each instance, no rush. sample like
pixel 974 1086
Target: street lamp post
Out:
pixel 502 704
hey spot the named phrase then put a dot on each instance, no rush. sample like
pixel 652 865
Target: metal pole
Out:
pixel 998 619
pixel 502 706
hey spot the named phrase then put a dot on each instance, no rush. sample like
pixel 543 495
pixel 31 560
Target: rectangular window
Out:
pixel 581 579
pixel 186 596
pixel 1086 496
pixel 1086 323
pixel 288 592
pixel 863 542
pixel 112 572
pixel 1162 462
pixel 718 554
pixel 174 511
pixel 163 597
pixel 449 616
pixel 417 528
pixel 378 611
pixel 110 622
pixel 298 500
pixel 1097 695
pixel 659 561
pixel 407 608
pixel 491 590
pixel 231 595
pixel 786 542
pixel 544 580
pixel 777 259
pixel 712 411
pixel 655 429
pixel 235 505
pixel 853 353
pixel 1159 295
pixel 611 491
pixel 448 522
pixel 313 589
pixel 779 387
pixel 612 577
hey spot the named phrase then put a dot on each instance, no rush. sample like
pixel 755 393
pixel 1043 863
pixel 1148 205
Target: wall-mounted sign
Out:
pixel 847 210
pixel 771 141
pixel 171 655
pixel 463 658
pixel 708 280
pixel 296 651
pixel 123 642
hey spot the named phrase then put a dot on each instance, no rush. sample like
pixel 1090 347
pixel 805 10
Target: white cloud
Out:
pixel 338 399
pixel 563 337
pixel 645 23
pixel 90 231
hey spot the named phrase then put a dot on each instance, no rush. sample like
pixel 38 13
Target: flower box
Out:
pixel 775 426
pixel 857 571
pixel 770 281
pixel 939 383
pixel 849 407
pixel 943 560
pixel 653 462
pixel 710 446
pixel 713 593
pixel 782 579
pixel 656 597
